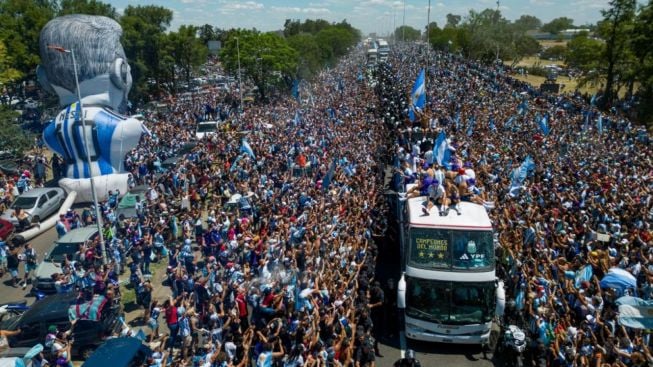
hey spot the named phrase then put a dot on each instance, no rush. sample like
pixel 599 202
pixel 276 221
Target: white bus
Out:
pixel 384 50
pixel 372 55
pixel 448 287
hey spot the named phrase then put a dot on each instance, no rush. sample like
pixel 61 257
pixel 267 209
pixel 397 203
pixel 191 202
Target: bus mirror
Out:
pixel 501 299
pixel 401 293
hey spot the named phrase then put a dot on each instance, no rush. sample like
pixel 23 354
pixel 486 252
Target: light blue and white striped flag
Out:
pixel 245 148
pixel 418 96
pixel 441 150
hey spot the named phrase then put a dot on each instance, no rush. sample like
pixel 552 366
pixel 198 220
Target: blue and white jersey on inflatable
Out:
pixel 104 82
pixel 110 136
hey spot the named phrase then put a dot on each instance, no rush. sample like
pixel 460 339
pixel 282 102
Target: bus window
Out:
pixel 473 250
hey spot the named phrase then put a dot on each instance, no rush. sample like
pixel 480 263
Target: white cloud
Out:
pixel 591 4
pixel 298 10
pixel 235 6
pixel 541 2
pixel 440 5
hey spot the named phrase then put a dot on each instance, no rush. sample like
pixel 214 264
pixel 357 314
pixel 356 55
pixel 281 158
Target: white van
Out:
pixel 206 128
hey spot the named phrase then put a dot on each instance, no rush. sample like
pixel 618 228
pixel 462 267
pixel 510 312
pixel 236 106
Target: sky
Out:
pixel 379 16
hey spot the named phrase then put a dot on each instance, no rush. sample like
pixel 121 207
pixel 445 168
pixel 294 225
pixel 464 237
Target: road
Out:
pixel 41 244
pixel 434 354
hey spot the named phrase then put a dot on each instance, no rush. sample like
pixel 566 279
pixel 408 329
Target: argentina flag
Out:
pixel 247 149
pixel 520 174
pixel 635 312
pixel 418 96
pixel 441 150
pixel 544 124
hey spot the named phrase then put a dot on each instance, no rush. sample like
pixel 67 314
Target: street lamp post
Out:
pixel 98 215
pixel 403 25
pixel 240 86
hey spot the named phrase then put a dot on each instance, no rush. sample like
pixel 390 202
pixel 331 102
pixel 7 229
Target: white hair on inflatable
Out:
pixel 94 39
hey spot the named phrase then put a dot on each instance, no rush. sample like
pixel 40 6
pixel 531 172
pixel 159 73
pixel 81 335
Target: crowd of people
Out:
pixel 266 229
pixel 570 189
pixel 269 230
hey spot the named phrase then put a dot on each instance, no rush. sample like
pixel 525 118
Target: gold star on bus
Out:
pixel 441 255
pixel 431 255
pixel 421 254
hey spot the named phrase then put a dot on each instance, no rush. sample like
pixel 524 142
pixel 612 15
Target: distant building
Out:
pixel 570 33
pixel 214 47
pixel 541 36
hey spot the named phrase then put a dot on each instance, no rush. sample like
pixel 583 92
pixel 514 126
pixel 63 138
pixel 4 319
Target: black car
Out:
pixel 53 310
pixel 119 352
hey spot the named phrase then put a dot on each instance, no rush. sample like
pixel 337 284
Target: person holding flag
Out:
pixel 418 96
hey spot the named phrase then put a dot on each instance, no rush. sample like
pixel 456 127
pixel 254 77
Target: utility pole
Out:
pixel 394 23
pixel 87 145
pixel 403 26
pixel 428 41
pixel 496 20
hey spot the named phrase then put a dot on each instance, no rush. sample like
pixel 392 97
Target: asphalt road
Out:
pixel 41 244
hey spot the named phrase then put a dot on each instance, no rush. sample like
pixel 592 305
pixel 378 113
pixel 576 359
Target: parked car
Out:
pixel 66 246
pixel 53 310
pixel 172 162
pixel 8 166
pixel 119 352
pixel 6 229
pixel 38 203
pixel 127 205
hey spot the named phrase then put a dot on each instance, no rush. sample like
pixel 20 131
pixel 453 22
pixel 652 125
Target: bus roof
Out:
pixel 472 216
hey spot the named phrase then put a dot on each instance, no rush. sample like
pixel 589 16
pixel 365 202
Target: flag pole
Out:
pixel 428 48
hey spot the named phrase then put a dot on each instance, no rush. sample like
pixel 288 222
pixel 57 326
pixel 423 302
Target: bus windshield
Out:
pixel 432 248
pixel 452 303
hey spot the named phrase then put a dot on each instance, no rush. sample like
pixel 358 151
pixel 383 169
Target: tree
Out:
pixel 557 52
pixel 143 40
pixel 641 41
pixel 291 27
pixel 523 46
pixel 615 28
pixel 7 73
pixel 444 39
pixel 584 53
pixel 334 43
pixel 207 33
pixel 490 36
pixel 452 20
pixel 12 137
pixel 22 22
pixel 90 7
pixel 557 25
pixel 309 53
pixel 188 51
pixel 527 23
pixel 407 33
pixel 265 58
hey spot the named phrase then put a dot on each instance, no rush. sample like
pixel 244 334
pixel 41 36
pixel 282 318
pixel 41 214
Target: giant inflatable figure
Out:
pixel 104 82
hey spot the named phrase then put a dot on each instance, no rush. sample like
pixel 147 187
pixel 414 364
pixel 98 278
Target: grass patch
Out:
pixel 551 43
pixel 128 294
pixel 569 85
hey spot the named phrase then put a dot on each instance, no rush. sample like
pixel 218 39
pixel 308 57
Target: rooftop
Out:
pixel 473 216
